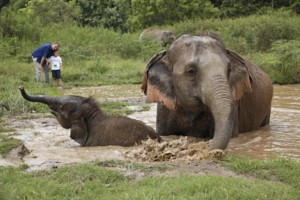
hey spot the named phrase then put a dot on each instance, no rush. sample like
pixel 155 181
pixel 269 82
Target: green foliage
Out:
pixel 234 8
pixel 50 11
pixel 282 62
pixel 146 13
pixel 13 25
pixel 249 34
pixel 295 7
pixel 104 13
pixel 124 15
pixel 14 5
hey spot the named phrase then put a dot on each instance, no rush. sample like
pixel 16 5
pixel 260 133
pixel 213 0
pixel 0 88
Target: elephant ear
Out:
pixel 157 81
pixel 239 77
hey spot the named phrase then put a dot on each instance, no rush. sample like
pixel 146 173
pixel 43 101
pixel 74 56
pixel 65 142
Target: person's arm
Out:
pixel 49 64
pixel 41 63
pixel 45 53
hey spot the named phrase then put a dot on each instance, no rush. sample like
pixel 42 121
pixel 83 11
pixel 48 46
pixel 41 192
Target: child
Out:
pixel 56 64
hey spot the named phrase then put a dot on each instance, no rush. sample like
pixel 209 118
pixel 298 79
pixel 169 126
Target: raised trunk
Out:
pixel 54 104
pixel 50 101
pixel 219 100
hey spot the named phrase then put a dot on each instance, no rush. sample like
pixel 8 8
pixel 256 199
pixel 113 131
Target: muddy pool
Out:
pixel 47 144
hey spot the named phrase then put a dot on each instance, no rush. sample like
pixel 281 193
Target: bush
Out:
pixel 282 62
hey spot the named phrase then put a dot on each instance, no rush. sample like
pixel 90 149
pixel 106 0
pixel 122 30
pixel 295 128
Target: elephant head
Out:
pixel 67 110
pixel 163 37
pixel 167 37
pixel 197 74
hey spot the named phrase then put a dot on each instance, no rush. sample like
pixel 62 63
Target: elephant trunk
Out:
pixel 50 101
pixel 220 102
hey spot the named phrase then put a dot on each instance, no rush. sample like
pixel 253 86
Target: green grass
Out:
pixel 282 170
pixel 92 181
pixel 4 126
pixel 7 144
pixel 121 108
pixel 116 108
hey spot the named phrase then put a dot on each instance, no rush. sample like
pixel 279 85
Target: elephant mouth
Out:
pixel 80 140
pixel 194 105
pixel 189 114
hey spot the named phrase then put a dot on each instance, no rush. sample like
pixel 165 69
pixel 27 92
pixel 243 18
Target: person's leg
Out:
pixel 59 78
pixel 54 82
pixel 46 72
pixel 38 74
pixel 60 83
pixel 53 77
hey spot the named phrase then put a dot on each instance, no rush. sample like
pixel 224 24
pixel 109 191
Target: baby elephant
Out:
pixel 89 125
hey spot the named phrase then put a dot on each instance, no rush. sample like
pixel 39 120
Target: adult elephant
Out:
pixel 163 37
pixel 89 125
pixel 206 90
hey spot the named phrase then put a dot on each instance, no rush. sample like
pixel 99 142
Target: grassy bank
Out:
pixel 274 179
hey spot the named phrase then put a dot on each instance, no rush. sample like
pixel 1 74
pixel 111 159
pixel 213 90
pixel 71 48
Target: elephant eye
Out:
pixel 191 71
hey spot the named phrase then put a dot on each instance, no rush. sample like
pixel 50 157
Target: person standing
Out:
pixel 56 65
pixel 39 57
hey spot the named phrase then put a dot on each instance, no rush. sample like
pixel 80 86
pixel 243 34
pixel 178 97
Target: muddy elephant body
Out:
pixel 205 90
pixel 163 37
pixel 89 125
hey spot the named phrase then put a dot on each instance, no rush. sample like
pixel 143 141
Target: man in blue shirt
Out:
pixel 39 57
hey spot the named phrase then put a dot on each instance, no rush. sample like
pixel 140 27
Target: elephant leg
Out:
pixel 202 126
pixel 169 122
pixel 79 131
pixel 166 121
pixel 266 121
pixel 235 131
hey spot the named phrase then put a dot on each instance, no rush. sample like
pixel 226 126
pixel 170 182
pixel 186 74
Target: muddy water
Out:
pixel 280 138
pixel 50 146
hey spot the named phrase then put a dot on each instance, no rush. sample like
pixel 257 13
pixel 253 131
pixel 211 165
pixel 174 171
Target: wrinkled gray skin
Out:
pixel 163 37
pixel 206 90
pixel 89 125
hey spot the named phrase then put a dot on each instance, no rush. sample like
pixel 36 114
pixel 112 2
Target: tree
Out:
pixel 3 3
pixel 146 13
pixel 104 13
pixel 237 8
pixel 50 11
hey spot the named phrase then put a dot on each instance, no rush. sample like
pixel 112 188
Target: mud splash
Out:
pixel 183 148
